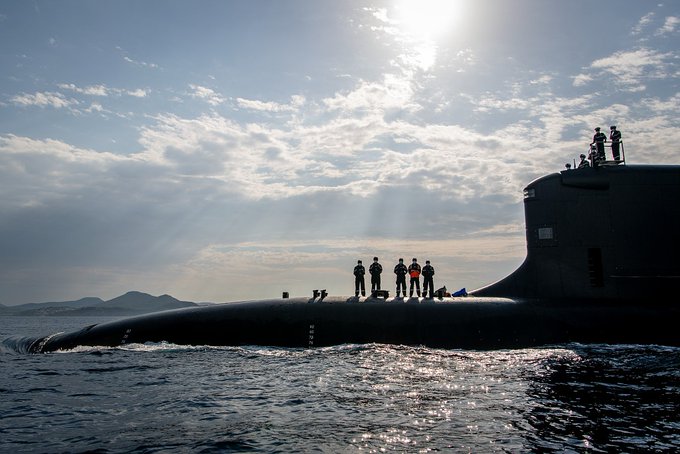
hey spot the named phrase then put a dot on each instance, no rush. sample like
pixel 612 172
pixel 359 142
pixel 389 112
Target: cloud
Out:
pixel 393 92
pixel 92 90
pixel 631 68
pixel 140 63
pixel 658 106
pixel 492 103
pixel 207 94
pixel 103 90
pixel 669 26
pixel 138 93
pixel 95 107
pixel 644 21
pixel 581 80
pixel 44 99
pixel 38 171
pixel 296 102
pixel 132 61
pixel 544 79
pixel 57 100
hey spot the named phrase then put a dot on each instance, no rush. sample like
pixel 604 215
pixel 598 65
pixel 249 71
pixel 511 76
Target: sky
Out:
pixel 233 150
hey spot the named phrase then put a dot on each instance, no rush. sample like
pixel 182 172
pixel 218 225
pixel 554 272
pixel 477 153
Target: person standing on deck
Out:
pixel 375 270
pixel 400 270
pixel 615 137
pixel 414 272
pixel 599 139
pixel 428 282
pixel 359 272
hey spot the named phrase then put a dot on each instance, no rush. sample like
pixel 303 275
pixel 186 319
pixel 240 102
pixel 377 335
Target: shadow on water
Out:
pixel 609 399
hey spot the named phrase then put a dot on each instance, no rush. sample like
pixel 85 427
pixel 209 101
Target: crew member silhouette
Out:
pixel 584 162
pixel 428 282
pixel 615 137
pixel 599 139
pixel 359 272
pixel 375 269
pixel 414 272
pixel 400 270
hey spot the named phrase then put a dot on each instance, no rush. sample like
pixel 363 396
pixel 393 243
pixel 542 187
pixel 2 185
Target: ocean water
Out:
pixel 349 398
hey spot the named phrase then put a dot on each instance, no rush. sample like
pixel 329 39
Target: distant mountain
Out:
pixel 136 301
pixel 129 304
pixel 83 302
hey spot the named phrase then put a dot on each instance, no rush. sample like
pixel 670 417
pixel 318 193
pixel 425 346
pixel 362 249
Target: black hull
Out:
pixel 468 323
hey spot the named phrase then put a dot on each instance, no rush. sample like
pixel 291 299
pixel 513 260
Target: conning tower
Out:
pixel 602 233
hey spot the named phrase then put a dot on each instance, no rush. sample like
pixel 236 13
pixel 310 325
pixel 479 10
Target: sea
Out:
pixel 160 398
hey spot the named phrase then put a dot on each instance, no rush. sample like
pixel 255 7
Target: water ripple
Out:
pixel 164 397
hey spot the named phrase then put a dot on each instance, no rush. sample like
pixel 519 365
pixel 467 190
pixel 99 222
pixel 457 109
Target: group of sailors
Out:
pixel 401 270
pixel 597 155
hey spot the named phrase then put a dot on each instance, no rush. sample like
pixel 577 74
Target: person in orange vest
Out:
pixel 414 272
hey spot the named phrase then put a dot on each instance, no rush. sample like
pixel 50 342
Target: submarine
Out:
pixel 602 266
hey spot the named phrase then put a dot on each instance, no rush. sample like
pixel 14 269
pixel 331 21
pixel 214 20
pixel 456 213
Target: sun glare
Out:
pixel 422 23
pixel 425 19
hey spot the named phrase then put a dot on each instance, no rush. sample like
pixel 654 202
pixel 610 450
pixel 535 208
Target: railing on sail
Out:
pixel 597 159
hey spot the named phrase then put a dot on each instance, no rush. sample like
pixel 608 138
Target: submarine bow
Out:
pixel 601 267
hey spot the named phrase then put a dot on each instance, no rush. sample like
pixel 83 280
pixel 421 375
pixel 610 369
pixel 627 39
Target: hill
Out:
pixel 131 303
pixel 138 301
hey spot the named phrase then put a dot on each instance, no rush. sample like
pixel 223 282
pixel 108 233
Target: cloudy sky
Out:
pixel 226 150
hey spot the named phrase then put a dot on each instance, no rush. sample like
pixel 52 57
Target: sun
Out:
pixel 427 19
pixel 422 25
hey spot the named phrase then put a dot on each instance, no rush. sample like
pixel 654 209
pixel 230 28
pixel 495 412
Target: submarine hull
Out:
pixel 469 322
